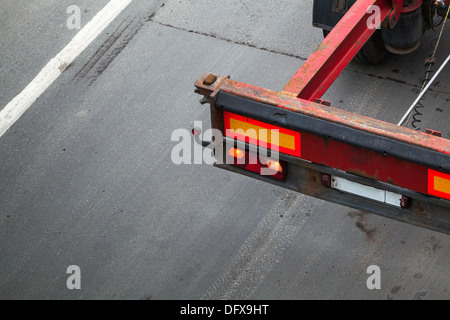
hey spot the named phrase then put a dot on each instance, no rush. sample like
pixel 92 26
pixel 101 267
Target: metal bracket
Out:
pixel 340 6
pixel 395 13
pixel 323 102
pixel 434 132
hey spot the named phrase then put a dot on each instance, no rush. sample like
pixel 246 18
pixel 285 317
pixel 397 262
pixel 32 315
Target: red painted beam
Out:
pixel 364 163
pixel 323 67
pixel 312 109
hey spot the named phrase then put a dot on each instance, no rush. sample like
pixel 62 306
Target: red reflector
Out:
pixel 325 179
pixel 195 132
pixel 439 184
pixel 262 134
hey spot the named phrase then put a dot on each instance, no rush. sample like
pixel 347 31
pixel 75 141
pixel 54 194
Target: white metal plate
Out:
pixel 366 191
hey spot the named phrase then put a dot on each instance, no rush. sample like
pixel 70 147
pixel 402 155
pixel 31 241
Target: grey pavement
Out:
pixel 86 176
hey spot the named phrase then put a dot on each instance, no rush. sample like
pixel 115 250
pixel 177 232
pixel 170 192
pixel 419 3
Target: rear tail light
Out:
pixel 236 153
pixel 264 166
pixel 325 179
pixel 274 165
pixel 405 202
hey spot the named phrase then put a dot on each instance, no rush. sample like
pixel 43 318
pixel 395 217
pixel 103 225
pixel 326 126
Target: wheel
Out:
pixel 373 52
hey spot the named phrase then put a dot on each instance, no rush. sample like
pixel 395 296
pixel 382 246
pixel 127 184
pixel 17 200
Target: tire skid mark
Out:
pixel 262 250
pixel 113 46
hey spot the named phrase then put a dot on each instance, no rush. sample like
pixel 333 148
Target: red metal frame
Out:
pixel 322 68
pixel 309 84
pixel 364 158
pixel 338 155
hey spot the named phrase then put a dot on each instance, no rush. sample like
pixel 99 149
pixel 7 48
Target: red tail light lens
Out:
pixel 264 166
pixel 236 153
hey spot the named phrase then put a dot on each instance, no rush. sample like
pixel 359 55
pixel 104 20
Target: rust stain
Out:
pixel 419 210
pixel 363 174
pixel 390 181
pixel 313 185
pixel 361 224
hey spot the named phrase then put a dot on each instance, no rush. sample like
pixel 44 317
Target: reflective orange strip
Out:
pixel 439 184
pixel 289 142
pixel 262 134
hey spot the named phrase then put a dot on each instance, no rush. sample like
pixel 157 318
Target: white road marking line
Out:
pixel 17 107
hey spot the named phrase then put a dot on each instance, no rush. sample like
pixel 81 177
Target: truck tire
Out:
pixel 373 52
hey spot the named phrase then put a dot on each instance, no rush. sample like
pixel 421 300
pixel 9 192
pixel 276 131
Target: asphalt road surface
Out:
pixel 86 176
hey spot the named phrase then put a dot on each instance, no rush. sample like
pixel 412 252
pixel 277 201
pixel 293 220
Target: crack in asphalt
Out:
pixel 406 83
pixel 243 43
pixel 251 45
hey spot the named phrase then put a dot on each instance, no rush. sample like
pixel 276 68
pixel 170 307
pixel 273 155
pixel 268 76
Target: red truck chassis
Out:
pixel 329 153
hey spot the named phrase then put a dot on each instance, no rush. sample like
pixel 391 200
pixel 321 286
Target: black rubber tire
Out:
pixel 373 52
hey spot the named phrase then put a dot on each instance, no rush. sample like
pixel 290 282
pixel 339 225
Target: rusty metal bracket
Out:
pixel 434 132
pixel 323 102
pixel 208 85
pixel 395 13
